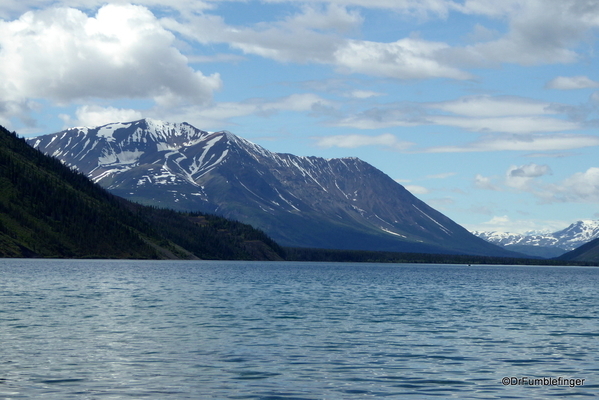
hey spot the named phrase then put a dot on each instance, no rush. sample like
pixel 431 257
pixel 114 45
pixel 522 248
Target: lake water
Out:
pixel 252 330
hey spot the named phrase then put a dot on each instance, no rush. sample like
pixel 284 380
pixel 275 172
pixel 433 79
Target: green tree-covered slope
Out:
pixel 48 210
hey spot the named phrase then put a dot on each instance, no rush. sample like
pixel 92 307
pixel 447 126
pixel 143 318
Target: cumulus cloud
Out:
pixel 581 187
pixel 97 116
pixel 521 177
pixel 354 141
pixel 13 8
pixel 538 32
pixel 64 55
pixel 572 82
pixel 528 171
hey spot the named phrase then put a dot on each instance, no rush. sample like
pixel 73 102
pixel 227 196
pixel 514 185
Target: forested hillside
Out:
pixel 588 252
pixel 48 210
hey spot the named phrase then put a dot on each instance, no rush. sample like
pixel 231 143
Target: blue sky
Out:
pixel 486 110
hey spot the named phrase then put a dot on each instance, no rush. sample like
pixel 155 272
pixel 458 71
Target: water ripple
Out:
pixel 233 330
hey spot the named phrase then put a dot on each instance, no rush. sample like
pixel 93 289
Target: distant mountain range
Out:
pixel 313 202
pixel 546 245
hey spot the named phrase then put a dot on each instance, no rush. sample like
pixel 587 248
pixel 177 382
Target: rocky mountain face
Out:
pixel 546 244
pixel 299 201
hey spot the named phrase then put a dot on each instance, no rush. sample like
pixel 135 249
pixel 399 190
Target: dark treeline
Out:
pixel 304 254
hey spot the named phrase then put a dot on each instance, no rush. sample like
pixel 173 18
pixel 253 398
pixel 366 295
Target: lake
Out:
pixel 98 329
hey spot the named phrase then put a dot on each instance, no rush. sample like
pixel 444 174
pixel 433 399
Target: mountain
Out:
pixel 588 253
pixel 48 210
pixel 298 201
pixel 547 245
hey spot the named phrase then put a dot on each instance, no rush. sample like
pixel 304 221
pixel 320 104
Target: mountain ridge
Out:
pixel 299 201
pixel 550 244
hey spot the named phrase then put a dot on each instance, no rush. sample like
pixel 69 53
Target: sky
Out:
pixel 486 110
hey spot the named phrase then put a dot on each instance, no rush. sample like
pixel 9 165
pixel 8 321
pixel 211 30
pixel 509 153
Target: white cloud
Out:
pixel 505 114
pixel 97 116
pixel 312 37
pixel 363 94
pixel 522 177
pixel 386 116
pixel 335 17
pixel 540 31
pixel 486 183
pixel 533 142
pixel 220 114
pixel 503 223
pixel 572 82
pixel 410 58
pixel 493 106
pixel 501 114
pixel 515 124
pixel 221 57
pixel 290 40
pixel 581 187
pixel 528 171
pixel 417 189
pixel 295 102
pixel 441 176
pixel 503 220
pixel 354 141
pixel 418 8
pixel 491 8
pixel 13 8
pixel 63 55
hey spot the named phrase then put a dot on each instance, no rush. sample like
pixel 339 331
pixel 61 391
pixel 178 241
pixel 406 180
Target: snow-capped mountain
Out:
pixel 551 244
pixel 299 201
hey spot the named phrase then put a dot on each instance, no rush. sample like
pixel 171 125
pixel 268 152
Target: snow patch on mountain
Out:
pixel 567 239
pixel 107 131
pixel 447 231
